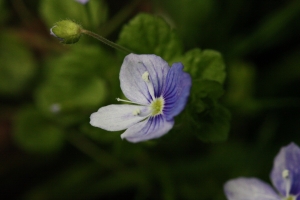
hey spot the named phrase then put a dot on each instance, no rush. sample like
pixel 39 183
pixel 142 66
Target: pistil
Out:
pixel 157 106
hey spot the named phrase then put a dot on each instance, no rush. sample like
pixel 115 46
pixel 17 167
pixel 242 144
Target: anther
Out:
pixel 285 174
pixel 145 76
pixel 136 112
pixel 287 182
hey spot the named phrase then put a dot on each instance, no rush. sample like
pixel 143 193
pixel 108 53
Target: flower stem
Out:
pixel 118 19
pixel 105 41
pixel 93 151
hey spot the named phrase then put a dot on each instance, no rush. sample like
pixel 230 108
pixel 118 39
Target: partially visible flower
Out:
pixel 158 92
pixel 82 1
pixel 55 108
pixel 285 177
pixel 67 31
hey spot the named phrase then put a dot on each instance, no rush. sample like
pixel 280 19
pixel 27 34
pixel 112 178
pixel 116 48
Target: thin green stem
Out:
pixel 117 20
pixel 105 41
pixel 88 12
pixel 93 151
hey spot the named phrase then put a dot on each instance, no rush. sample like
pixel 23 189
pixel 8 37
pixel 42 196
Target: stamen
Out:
pixel 145 76
pixel 285 174
pixel 118 99
pixel 287 180
pixel 136 112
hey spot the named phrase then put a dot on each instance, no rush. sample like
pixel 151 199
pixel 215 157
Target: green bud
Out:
pixel 67 31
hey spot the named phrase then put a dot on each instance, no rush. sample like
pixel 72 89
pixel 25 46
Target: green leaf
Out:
pixel 36 134
pixel 213 125
pixel 205 89
pixel 90 15
pixel 17 65
pixel 204 115
pixel 147 34
pixel 206 64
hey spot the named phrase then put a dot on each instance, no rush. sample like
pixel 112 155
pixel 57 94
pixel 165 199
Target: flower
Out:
pixel 285 177
pixel 82 1
pixel 158 93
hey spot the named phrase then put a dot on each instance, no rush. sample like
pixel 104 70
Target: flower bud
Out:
pixel 67 31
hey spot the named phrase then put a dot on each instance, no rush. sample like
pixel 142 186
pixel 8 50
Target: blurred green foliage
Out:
pixel 243 57
pixel 3 11
pixel 15 77
pixel 34 133
pixel 73 83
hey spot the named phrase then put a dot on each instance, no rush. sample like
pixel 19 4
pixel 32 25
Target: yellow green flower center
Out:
pixel 290 198
pixel 157 106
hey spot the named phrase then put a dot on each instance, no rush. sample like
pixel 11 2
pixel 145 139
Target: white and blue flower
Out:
pixel 82 1
pixel 285 177
pixel 157 94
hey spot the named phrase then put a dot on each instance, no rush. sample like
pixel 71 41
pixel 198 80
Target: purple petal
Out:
pixel 118 117
pixel 288 158
pixel 132 83
pixel 82 1
pixel 151 128
pixel 249 189
pixel 176 90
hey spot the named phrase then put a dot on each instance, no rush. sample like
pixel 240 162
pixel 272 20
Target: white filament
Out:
pixel 287 180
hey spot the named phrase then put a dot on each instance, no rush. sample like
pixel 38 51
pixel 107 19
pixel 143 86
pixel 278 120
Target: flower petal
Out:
pixel 176 90
pixel 151 128
pixel 118 117
pixel 133 85
pixel 287 159
pixel 249 189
